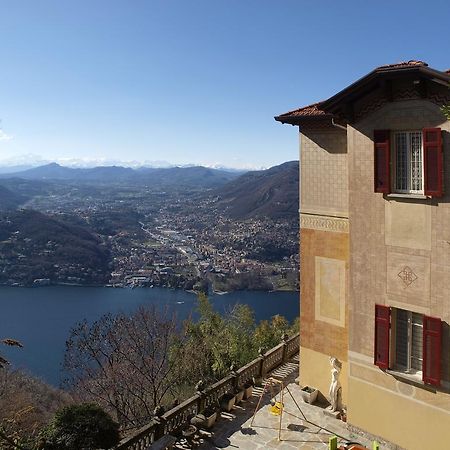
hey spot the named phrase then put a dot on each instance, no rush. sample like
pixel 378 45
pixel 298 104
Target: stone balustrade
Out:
pixel 178 417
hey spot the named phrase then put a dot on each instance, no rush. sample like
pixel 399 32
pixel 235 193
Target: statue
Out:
pixel 335 386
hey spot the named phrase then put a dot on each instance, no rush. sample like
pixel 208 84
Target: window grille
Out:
pixel 417 342
pixel 408 153
pixel 409 340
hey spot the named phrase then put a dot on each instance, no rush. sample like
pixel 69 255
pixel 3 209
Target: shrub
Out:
pixel 84 426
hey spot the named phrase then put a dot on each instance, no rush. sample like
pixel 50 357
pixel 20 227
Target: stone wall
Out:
pixel 324 176
pixel 388 236
pixel 324 256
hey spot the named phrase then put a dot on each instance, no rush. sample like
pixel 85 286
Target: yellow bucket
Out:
pixel 276 408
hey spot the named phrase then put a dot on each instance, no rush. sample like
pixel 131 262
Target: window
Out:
pixel 408 328
pixel 408 342
pixel 409 162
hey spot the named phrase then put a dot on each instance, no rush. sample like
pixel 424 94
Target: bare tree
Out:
pixel 26 405
pixel 11 343
pixel 127 364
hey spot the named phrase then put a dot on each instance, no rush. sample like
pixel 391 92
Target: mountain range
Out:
pixel 271 193
pixel 195 176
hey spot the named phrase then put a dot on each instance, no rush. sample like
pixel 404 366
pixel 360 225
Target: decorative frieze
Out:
pixel 324 223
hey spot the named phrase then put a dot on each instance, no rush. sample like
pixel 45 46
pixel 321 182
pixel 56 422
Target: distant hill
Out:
pixel 188 176
pixel 54 171
pixel 26 188
pixel 15 168
pixel 271 193
pixel 40 246
pixel 196 176
pixel 9 199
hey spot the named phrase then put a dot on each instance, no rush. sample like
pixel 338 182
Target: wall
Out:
pixel 413 417
pixel 389 234
pixel 324 177
pixel 324 252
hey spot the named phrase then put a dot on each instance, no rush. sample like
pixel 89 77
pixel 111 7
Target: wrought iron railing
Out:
pixel 178 417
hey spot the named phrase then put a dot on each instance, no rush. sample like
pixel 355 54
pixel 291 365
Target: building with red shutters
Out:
pixel 375 251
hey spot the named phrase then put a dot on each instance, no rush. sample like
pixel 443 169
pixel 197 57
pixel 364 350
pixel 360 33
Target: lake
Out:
pixel 41 318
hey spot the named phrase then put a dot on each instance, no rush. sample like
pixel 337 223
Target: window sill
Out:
pixel 415 380
pixel 409 378
pixel 413 196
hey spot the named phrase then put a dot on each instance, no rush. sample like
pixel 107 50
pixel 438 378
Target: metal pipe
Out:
pixel 337 125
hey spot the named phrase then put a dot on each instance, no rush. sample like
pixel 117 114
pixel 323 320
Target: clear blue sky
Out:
pixel 191 81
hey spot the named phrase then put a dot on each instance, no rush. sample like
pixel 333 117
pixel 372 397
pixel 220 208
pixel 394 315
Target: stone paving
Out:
pixel 233 430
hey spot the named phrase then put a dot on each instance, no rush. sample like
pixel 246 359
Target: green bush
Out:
pixel 84 426
pixel 215 341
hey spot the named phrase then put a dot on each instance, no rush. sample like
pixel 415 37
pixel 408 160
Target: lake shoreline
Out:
pixel 111 286
pixel 42 318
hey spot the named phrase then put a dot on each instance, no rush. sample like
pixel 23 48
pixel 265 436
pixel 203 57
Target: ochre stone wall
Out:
pixel 323 312
pixel 320 335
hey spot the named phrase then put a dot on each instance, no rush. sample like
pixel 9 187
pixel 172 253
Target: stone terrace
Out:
pixel 233 429
pixel 303 426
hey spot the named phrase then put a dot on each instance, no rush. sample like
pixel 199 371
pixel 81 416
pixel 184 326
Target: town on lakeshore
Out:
pixel 124 232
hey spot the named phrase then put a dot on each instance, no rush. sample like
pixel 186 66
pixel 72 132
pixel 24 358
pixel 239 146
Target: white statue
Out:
pixel 335 386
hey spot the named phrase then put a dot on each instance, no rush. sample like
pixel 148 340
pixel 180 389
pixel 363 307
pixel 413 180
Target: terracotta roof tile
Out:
pixel 310 110
pixel 411 63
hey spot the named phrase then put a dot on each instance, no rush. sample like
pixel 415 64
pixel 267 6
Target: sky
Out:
pixel 190 81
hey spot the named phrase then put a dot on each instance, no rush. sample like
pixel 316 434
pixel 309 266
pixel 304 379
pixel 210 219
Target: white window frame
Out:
pixel 409 180
pixel 408 369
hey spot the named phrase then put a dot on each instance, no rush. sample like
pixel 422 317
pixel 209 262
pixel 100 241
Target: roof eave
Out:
pixel 302 120
pixel 330 105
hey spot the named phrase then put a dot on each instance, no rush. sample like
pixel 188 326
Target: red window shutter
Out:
pixel 382 161
pixel 432 160
pixel 382 325
pixel 432 338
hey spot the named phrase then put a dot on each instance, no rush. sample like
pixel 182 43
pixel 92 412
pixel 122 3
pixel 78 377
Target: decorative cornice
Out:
pixel 374 103
pixel 370 106
pixel 324 223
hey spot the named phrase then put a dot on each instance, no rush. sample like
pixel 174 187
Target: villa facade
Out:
pixel 375 251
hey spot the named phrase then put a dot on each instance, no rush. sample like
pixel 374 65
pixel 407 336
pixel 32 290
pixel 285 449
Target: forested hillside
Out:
pixel 34 245
pixel 271 193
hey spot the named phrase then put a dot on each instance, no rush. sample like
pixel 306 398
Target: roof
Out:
pixel 330 107
pixel 313 110
pixel 410 63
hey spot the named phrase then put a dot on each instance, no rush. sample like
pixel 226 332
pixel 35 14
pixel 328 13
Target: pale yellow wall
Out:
pixel 315 371
pixel 404 421
pixel 324 176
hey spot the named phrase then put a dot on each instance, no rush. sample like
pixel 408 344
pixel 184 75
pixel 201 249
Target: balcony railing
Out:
pixel 178 417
